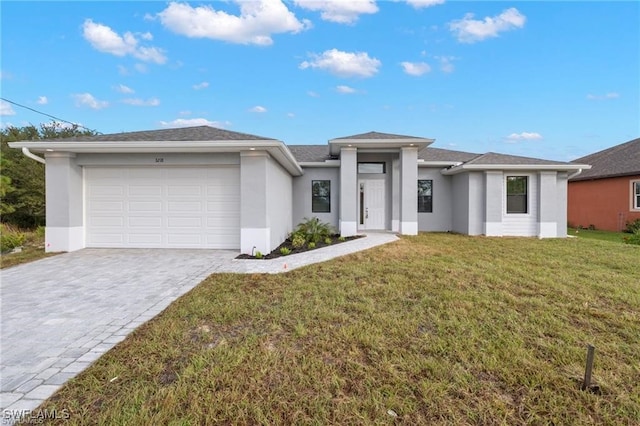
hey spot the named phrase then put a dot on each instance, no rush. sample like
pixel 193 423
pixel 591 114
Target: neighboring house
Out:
pixel 607 196
pixel 203 187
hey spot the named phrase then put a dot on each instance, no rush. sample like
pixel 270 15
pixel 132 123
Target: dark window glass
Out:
pixel 321 196
pixel 517 194
pixel 425 196
pixel 375 168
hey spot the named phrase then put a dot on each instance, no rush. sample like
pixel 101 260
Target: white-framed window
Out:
pixel 635 195
pixel 517 194
pixel 321 196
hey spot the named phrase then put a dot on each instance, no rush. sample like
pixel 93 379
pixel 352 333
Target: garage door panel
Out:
pixel 182 207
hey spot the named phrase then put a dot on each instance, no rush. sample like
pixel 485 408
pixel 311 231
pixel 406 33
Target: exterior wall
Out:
pixel 408 191
pixel 279 204
pixel 476 204
pixel 64 203
pixel 603 203
pixel 441 219
pixel 164 159
pixel 254 226
pixel 348 221
pixel 561 203
pixel 493 205
pixel 302 195
pixel 460 203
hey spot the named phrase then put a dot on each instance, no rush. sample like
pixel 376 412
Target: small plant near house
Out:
pixel 633 238
pixel 341 238
pixel 311 245
pixel 259 255
pixel 297 240
pixel 328 241
pixel 633 227
pixel 285 251
pixel 314 230
pixel 11 238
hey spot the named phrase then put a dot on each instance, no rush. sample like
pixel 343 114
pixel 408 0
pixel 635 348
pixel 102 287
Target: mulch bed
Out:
pixel 335 239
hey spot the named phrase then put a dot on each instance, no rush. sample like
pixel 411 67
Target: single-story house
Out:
pixel 608 195
pixel 203 187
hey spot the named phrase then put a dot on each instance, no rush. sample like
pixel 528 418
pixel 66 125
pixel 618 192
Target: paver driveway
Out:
pixel 62 313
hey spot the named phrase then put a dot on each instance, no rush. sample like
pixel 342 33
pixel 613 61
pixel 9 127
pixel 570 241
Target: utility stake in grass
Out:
pixel 586 384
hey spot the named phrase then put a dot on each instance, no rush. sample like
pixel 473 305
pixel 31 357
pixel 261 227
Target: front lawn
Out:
pixel 433 329
pixel 597 234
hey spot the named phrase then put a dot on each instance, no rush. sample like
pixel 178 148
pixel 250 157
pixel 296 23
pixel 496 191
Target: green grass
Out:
pixel 597 234
pixel 438 328
pixel 32 248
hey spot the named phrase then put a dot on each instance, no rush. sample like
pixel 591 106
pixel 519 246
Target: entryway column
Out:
pixel 64 203
pixel 348 191
pixel 493 206
pixel 547 204
pixel 408 191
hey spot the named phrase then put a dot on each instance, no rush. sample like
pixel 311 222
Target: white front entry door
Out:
pixel 371 204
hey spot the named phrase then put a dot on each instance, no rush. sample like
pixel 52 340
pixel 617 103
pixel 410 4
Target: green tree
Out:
pixel 21 178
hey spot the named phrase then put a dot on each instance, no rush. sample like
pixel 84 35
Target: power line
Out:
pixel 49 115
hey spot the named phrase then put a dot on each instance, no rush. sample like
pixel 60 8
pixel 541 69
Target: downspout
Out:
pixel 31 155
pixel 572 175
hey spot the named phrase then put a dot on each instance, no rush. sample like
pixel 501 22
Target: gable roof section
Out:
pixel 198 133
pixel 619 160
pixel 310 153
pixel 494 161
pixel 377 135
pixel 377 140
pixel 493 158
pixel 439 154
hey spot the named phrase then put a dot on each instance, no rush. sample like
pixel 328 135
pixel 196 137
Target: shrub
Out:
pixel 298 240
pixel 633 227
pixel 259 255
pixel 328 240
pixel 311 245
pixel 285 251
pixel 11 238
pixel 633 238
pixel 313 230
pixel 341 238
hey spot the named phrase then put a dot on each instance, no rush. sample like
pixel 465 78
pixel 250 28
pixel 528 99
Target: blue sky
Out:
pixel 554 80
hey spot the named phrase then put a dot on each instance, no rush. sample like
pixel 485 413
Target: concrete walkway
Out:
pixel 60 314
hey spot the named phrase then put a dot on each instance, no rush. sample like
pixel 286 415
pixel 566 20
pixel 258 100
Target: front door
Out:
pixel 371 204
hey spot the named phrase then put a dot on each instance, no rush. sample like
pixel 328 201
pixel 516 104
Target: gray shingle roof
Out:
pixel 492 158
pixel 439 154
pixel 378 135
pixel 199 133
pixel 619 160
pixel 310 153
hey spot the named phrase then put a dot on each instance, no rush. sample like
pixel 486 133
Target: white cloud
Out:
pixel 340 11
pixel 527 136
pixel 87 99
pixel 258 108
pixel 415 68
pixel 446 64
pixel 343 64
pixel 313 94
pixel 257 21
pixel 141 102
pixel 42 100
pixel 345 89
pixel 146 36
pixel 6 108
pixel 190 122
pixel 201 86
pixel 421 4
pixel 104 39
pixel 610 95
pixel 121 88
pixel 469 30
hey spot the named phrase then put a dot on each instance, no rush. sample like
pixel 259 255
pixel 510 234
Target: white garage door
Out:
pixel 163 207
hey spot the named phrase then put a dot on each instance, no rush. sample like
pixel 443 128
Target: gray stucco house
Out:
pixel 203 187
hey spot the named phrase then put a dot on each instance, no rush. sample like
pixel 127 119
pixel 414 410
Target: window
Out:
pixel 375 168
pixel 635 194
pixel 517 194
pixel 321 196
pixel 425 196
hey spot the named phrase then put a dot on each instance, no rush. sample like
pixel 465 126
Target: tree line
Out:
pixel 22 186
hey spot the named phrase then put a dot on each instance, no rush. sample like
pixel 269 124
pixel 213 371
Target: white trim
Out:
pixel 59 238
pixel 505 212
pixel 520 167
pixel 409 228
pixel 547 230
pixel 423 163
pixel 348 228
pixel 327 163
pixel 395 225
pixel 633 206
pixel 493 229
pixel 253 240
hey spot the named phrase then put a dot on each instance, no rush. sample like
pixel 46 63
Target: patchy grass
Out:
pixel 433 329
pixel 32 247
pixel 596 234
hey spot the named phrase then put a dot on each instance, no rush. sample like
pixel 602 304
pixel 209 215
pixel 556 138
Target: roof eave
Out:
pixel 538 167
pixel 336 144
